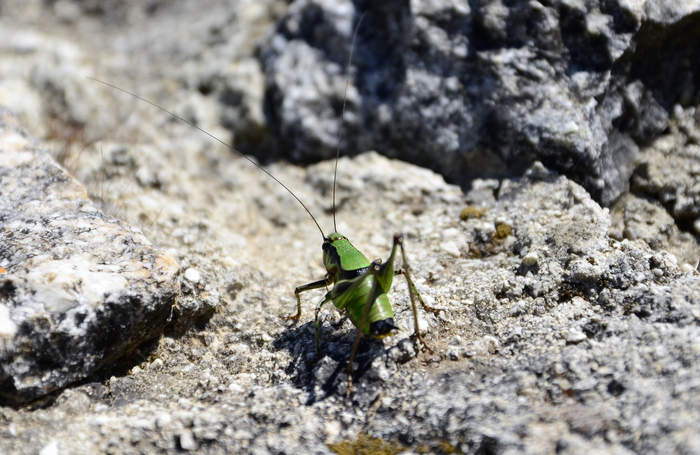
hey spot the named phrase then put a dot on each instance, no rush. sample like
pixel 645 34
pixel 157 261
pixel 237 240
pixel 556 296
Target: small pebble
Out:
pixel 687 268
pixel 50 449
pixel 187 441
pixel 192 275
pixel 450 248
pixel 530 259
pixel 576 336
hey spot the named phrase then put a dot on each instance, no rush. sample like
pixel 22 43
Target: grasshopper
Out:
pixel 359 286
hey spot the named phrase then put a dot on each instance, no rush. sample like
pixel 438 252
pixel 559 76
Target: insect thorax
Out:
pixel 341 258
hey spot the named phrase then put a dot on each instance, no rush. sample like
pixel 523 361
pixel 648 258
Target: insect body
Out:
pixel 350 266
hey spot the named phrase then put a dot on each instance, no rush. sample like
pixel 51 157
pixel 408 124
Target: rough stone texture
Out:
pixel 477 88
pixel 638 218
pixel 669 169
pixel 79 288
pixel 555 337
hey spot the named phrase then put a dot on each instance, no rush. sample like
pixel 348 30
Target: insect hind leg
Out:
pixel 412 292
pixel 373 269
pixel 425 306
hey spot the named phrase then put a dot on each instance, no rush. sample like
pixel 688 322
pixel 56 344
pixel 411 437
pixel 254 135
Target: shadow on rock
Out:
pixel 120 367
pixel 326 374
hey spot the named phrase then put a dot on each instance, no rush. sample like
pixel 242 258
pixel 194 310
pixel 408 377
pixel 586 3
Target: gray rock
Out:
pixel 668 170
pixel 476 89
pixel 637 218
pixel 554 337
pixel 79 288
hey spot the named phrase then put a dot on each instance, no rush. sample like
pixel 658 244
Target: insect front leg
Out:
pixel 307 287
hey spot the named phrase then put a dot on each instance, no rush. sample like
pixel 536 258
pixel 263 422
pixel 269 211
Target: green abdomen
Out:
pixel 380 309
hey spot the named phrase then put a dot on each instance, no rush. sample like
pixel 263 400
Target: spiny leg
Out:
pixel 373 269
pixel 412 292
pixel 307 287
pixel 425 306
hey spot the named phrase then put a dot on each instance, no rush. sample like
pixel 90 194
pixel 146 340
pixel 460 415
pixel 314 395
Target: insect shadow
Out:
pixel 326 374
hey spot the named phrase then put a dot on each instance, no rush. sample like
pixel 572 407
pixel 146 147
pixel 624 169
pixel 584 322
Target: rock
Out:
pixel 79 288
pixel 668 170
pixel 637 218
pixel 478 89
pixel 554 337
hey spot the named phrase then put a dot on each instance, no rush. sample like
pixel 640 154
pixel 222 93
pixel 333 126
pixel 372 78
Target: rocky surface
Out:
pixel 483 88
pixel 566 326
pixel 669 169
pixel 640 218
pixel 79 288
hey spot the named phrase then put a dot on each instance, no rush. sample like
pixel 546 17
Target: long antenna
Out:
pixel 342 115
pixel 220 142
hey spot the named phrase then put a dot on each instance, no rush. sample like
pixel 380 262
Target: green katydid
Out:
pixel 359 286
